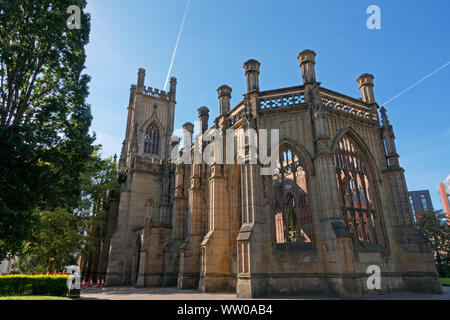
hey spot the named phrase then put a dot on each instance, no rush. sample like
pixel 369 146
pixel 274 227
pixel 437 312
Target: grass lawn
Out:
pixel 445 281
pixel 33 298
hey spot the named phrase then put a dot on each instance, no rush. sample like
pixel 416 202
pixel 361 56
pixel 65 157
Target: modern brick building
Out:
pixel 420 202
pixel 444 190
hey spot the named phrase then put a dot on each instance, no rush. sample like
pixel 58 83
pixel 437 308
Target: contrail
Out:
pixel 176 44
pixel 418 82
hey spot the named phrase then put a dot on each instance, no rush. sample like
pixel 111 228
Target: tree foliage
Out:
pixel 100 188
pixel 59 235
pixel 433 224
pixel 44 117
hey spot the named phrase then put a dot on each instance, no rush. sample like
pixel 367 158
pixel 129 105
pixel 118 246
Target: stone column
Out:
pixel 254 242
pixel 180 211
pixel 173 88
pixel 254 250
pixel 332 238
pixel 395 175
pixel 203 115
pixel 365 84
pixel 388 135
pixel 132 92
pixel 307 61
pixel 179 218
pixel 189 273
pixel 216 274
pixel 251 68
pixel 188 131
pixel 141 80
pixel 179 224
pixel 167 185
pixel 116 271
pixel 224 94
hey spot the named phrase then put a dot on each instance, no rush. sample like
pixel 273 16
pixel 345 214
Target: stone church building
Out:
pixel 336 203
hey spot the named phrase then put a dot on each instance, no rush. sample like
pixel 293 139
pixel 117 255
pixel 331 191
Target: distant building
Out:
pixel 420 202
pixel 444 190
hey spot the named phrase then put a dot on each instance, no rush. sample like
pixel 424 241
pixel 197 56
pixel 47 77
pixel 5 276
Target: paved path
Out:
pixel 130 293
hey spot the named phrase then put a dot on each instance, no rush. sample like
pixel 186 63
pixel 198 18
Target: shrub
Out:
pixel 444 270
pixel 21 285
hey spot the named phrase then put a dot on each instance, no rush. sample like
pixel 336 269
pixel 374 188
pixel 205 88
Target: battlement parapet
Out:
pixel 156 93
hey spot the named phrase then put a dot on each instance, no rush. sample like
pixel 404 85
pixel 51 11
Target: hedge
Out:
pixel 38 285
pixel 444 270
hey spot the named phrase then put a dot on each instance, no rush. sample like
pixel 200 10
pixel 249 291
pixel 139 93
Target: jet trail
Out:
pixel 418 82
pixel 176 44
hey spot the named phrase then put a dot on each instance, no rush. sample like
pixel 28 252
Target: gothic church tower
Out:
pixel 145 177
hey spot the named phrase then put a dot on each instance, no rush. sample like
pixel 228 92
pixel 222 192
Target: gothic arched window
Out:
pixel 293 223
pixel 151 139
pixel 356 187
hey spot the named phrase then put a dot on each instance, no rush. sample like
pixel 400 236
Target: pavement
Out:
pixel 131 293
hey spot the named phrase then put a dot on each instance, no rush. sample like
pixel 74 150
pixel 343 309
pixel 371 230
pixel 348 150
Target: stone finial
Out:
pixel 224 94
pixel 188 131
pixel 173 88
pixel 132 91
pixel 188 126
pixel 174 140
pixel 384 119
pixel 307 60
pixel 203 115
pixel 141 79
pixel 388 135
pixel 365 84
pixel 251 68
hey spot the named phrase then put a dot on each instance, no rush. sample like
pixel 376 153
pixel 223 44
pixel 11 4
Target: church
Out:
pixel 334 206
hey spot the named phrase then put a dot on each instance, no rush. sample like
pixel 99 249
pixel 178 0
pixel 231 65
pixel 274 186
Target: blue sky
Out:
pixel 219 36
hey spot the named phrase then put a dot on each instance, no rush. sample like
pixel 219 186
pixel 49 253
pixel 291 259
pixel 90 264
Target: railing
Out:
pixel 237 114
pixel 295 96
pixel 281 100
pixel 341 104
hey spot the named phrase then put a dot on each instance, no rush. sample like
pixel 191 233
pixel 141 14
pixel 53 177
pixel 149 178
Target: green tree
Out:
pixel 57 238
pixel 101 187
pixel 44 118
pixel 433 224
pixel 60 236
pixel 99 182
